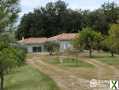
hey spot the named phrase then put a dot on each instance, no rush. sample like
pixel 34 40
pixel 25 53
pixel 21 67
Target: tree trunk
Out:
pixel 112 53
pixel 50 53
pixel 90 52
pixel 1 80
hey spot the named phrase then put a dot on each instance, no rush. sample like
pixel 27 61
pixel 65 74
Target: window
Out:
pixel 36 49
pixel 65 46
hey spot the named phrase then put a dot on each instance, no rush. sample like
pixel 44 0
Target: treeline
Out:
pixel 88 39
pixel 56 18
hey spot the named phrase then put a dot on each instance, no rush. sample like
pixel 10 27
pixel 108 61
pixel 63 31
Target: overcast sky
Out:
pixel 29 5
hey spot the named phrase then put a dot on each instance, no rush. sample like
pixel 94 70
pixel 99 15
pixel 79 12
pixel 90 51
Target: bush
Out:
pixel 52 46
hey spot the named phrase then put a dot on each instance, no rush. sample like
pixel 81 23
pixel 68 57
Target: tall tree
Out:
pixel 101 18
pixel 111 10
pixel 8 12
pixel 54 18
pixel 98 21
pixel 112 41
pixel 88 39
pixel 8 55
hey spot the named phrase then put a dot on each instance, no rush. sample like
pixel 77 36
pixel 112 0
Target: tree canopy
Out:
pixel 8 12
pixel 9 56
pixel 88 39
pixel 50 20
pixel 112 41
pixel 52 47
pixel 57 18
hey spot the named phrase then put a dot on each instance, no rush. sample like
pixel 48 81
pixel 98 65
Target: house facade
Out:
pixel 33 45
pixel 36 45
pixel 64 40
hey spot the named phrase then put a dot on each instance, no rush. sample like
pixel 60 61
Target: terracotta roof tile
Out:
pixel 33 40
pixel 60 37
pixel 64 36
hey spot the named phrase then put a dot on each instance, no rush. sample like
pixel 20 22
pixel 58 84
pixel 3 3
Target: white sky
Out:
pixel 29 5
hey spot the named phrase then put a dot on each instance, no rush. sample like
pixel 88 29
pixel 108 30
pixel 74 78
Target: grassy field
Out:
pixel 27 78
pixel 69 62
pixel 106 58
pixel 67 69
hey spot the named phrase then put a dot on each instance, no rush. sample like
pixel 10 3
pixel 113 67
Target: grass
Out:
pixel 110 60
pixel 27 78
pixel 70 62
pixel 106 58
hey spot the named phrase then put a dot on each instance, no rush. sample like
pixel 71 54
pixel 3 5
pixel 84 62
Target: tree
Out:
pixel 101 18
pixel 88 39
pixel 9 57
pixel 98 21
pixel 112 40
pixel 52 46
pixel 8 13
pixel 55 18
pixel 111 11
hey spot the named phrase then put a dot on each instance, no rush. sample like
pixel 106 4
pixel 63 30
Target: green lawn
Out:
pixel 70 62
pixel 106 58
pixel 27 78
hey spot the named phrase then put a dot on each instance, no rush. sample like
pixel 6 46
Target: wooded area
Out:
pixel 56 18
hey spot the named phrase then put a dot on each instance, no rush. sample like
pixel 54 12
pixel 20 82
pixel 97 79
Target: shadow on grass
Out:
pixel 15 70
pixel 21 85
pixel 27 78
pixel 105 56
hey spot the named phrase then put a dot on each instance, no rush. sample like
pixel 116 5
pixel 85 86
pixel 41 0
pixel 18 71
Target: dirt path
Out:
pixel 105 71
pixel 67 80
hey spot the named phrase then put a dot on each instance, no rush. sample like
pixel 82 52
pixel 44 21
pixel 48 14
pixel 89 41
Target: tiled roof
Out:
pixel 33 40
pixel 62 37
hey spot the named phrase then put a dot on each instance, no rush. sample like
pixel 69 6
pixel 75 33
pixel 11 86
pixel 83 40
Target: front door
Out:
pixel 36 49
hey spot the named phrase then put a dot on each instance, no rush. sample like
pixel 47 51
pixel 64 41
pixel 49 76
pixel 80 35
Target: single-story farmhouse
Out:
pixel 38 44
